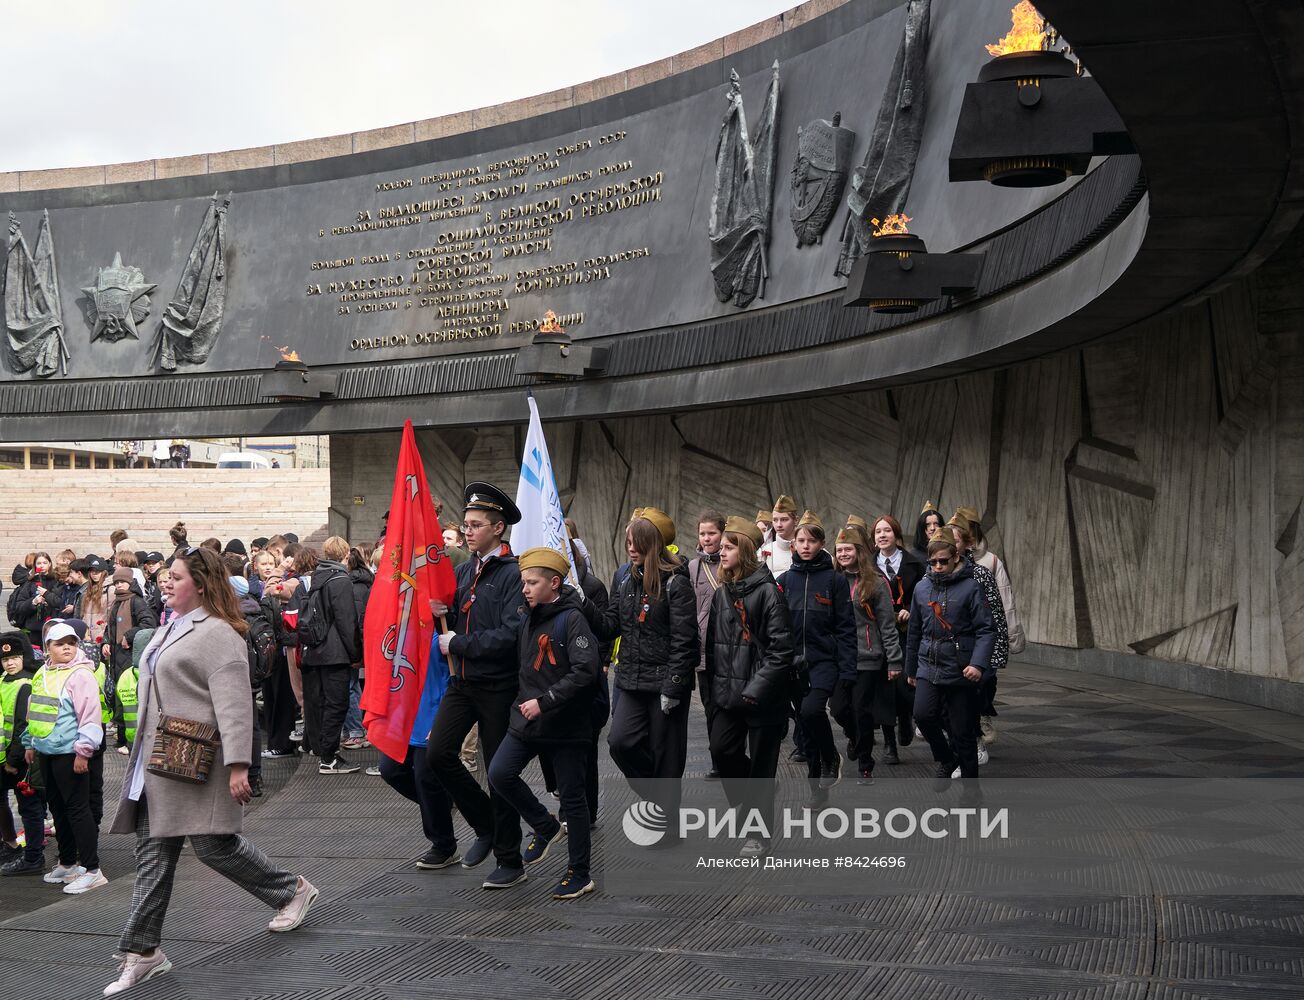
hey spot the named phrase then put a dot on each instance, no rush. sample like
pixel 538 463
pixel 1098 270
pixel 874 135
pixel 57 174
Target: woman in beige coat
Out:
pixel 196 667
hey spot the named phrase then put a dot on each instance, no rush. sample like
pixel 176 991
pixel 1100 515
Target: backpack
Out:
pixel 314 622
pixel 261 643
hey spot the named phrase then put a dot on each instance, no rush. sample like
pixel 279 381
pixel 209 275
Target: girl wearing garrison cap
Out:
pixel 653 611
pixel 824 641
pixel 747 680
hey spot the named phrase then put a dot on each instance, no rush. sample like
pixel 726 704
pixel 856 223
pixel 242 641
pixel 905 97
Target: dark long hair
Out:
pixel 215 591
pixel 656 560
pixel 921 534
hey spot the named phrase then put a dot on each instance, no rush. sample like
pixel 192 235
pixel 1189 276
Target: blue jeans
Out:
pixel 353 720
pixel 413 779
pixel 569 762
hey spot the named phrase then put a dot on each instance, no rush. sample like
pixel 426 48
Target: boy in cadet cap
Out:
pixel 559 672
pixel 17 666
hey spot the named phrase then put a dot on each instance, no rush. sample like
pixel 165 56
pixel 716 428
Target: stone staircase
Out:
pixel 52 510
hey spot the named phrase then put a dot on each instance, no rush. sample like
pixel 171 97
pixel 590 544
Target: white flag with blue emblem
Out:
pixel 542 520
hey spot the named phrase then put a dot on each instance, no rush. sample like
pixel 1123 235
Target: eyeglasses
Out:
pixel 470 526
pixel 940 562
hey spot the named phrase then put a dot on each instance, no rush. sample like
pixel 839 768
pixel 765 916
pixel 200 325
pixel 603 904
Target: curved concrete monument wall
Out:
pixel 600 212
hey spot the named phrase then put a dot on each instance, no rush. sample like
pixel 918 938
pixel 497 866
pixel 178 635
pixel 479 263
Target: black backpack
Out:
pixel 261 642
pixel 314 621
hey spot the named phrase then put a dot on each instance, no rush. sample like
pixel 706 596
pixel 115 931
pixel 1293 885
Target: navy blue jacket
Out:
pixel 823 622
pixel 487 619
pixel 950 628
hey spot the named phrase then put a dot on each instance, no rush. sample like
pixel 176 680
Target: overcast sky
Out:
pixel 104 82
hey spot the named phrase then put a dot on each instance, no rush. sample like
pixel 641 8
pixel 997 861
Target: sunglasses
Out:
pixel 940 562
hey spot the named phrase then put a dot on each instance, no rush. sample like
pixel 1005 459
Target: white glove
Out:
pixel 668 704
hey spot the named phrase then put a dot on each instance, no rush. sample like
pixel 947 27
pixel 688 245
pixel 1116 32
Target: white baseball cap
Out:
pixel 60 630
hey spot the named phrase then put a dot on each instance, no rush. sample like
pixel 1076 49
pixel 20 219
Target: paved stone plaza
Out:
pixel 385 930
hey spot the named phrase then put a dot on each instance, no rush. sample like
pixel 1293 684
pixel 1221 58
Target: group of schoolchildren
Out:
pixel 770 627
pixel 767 624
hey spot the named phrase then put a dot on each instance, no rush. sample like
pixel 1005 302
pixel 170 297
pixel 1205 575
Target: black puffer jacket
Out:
pixel 27 613
pixel 487 618
pixel 559 670
pixel 659 653
pixel 362 579
pixel 595 608
pixel 749 648
pixel 331 584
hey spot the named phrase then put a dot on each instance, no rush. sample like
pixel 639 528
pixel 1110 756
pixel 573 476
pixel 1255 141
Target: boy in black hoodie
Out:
pixel 17 667
pixel 559 671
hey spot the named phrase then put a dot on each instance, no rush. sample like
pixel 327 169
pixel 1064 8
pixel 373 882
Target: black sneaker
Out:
pixel 711 775
pixel 337 766
pixel 278 754
pixel 851 750
pixel 866 776
pixel 537 849
pixel 477 852
pixel 830 773
pixel 8 853
pixel 942 775
pixel 504 878
pixel 572 886
pixel 21 866
pixel 890 756
pixel 434 859
pixel 905 732
pixel 797 757
pixel 256 787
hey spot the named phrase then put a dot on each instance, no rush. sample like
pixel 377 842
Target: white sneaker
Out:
pixel 135 969
pixel 955 773
pixel 374 770
pixel 85 882
pixel 125 751
pixel 291 915
pixel 64 873
pixel 983 755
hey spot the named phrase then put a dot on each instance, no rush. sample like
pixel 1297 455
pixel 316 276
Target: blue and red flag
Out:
pixel 399 629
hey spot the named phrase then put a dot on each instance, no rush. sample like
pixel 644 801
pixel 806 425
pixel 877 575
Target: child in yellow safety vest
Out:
pixel 65 725
pixel 17 665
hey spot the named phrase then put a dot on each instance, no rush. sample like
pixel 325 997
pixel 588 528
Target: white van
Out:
pixel 243 460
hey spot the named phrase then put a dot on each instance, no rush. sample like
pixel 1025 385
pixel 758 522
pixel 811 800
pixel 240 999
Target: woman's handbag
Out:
pixel 184 750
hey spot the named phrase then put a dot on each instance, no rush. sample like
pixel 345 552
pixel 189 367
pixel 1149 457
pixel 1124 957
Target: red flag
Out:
pixel 399 626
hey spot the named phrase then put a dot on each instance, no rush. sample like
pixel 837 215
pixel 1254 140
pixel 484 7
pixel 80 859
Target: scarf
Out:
pixel 122 613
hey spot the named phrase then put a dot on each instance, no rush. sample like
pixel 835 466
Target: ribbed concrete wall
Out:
pixel 44 510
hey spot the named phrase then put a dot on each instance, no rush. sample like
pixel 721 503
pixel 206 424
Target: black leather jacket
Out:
pixel 749 647
pixel 659 653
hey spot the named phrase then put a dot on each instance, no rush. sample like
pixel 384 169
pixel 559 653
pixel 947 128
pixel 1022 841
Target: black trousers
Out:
pixel 650 748
pixel 414 780
pixel 708 707
pixel 325 703
pixel 853 707
pixel 279 706
pixel 31 809
pixel 819 734
pixel 954 706
pixel 568 762
pixel 256 760
pixel 69 796
pixel 118 670
pixel 590 775
pixel 747 754
pixel 988 701
pixel 463 706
